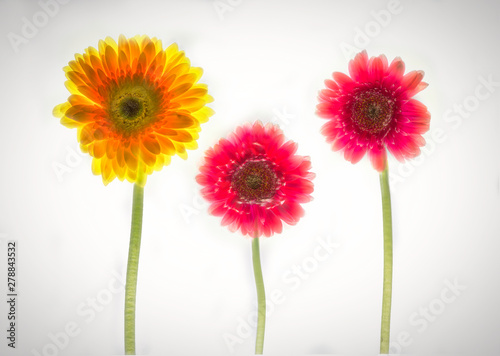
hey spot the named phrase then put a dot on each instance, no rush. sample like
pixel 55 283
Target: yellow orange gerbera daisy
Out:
pixel 134 105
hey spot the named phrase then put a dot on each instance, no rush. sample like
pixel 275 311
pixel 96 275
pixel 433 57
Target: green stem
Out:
pixel 132 267
pixel 261 297
pixel 387 288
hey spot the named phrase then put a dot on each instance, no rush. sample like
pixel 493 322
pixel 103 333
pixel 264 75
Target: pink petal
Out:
pixel 217 209
pixel 327 94
pixel 396 69
pixel 411 80
pixel 378 157
pixel 358 67
pixel 274 222
pixel 421 86
pixel 331 84
pixel 414 107
pixel 289 212
pixel 331 131
pixel 341 142
pixel 377 67
pixel 343 80
pixel 357 153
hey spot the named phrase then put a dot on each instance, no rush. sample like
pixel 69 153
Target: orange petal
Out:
pixel 147 157
pixel 107 171
pixel 151 144
pixel 203 114
pixel 70 124
pixel 141 64
pixel 195 92
pixel 90 93
pixel 123 61
pixel 178 70
pixel 76 99
pixel 181 150
pixel 123 46
pixel 191 104
pixel 86 134
pixel 180 89
pixel 179 121
pixel 183 136
pixel 81 113
pixel 60 110
pixel 167 147
pixel 119 170
pixel 99 148
pixel 111 149
pixel 134 48
pixel 76 78
pixel 92 78
pixel 111 60
pixel 130 159
pixel 120 155
pixel 150 52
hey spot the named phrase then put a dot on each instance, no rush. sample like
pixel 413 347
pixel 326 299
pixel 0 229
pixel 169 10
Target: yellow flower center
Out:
pixel 372 111
pixel 254 181
pixel 133 107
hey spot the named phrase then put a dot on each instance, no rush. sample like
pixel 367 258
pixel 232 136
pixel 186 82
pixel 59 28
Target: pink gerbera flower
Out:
pixel 373 110
pixel 254 180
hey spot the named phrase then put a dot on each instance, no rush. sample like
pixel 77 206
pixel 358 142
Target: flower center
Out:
pixel 372 111
pixel 132 107
pixel 254 181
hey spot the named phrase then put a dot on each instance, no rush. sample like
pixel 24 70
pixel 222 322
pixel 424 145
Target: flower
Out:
pixel 134 105
pixel 254 180
pixel 373 110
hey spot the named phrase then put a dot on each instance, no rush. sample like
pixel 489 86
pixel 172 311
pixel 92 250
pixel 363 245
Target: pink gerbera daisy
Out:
pixel 373 110
pixel 254 180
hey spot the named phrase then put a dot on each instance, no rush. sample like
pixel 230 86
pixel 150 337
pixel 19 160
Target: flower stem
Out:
pixel 261 297
pixel 132 267
pixel 387 287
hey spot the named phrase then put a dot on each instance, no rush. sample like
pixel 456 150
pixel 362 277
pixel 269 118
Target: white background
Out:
pixel 262 60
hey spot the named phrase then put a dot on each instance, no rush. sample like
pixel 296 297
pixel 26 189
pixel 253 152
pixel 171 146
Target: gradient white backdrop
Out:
pixel 262 60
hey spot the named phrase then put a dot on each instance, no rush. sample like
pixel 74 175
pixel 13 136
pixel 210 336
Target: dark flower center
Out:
pixel 130 107
pixel 133 107
pixel 372 111
pixel 254 181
